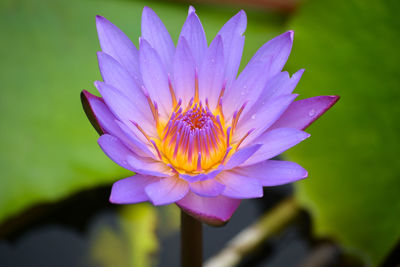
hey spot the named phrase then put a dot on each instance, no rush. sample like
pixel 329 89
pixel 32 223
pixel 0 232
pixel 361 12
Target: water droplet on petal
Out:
pixel 312 113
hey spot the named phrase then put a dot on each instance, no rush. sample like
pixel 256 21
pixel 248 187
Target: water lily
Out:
pixel 193 131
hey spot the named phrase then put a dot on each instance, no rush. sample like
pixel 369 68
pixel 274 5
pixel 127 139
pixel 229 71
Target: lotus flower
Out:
pixel 194 132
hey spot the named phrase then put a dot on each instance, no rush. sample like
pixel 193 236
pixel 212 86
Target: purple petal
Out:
pixel 274 172
pixel 279 85
pixel 140 146
pixel 233 40
pixel 262 120
pixel 115 150
pixel 267 62
pixel 155 78
pixel 115 75
pixel 209 188
pixel 131 190
pixel 148 166
pixel 201 176
pixel 115 43
pixel 194 34
pixel 247 87
pixel 154 31
pixel 274 142
pixel 90 104
pixel 212 210
pixel 275 52
pixel 302 113
pixel 167 190
pixel 239 186
pixel 241 156
pixel 211 73
pixel 124 109
pixel 184 72
pixel 99 114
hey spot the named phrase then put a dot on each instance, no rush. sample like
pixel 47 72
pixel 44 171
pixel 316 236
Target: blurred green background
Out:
pixel 348 47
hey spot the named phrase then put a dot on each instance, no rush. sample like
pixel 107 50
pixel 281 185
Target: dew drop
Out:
pixel 312 113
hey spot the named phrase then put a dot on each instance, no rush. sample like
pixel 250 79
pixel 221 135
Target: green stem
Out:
pixel 191 241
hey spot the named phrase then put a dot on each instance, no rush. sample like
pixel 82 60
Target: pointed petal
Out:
pixel 262 120
pixel 131 190
pixel 233 40
pixel 115 150
pixel 215 211
pixel 274 172
pixel 90 104
pixel 184 71
pixel 155 78
pixel 201 176
pixel 101 116
pixel 266 63
pixel 154 31
pixel 274 142
pixel 167 190
pixel 123 108
pixel 208 188
pixel 115 75
pixel 279 85
pixel 241 156
pixel 115 43
pixel 194 34
pixel 148 166
pixel 239 186
pixel 302 113
pixel 211 73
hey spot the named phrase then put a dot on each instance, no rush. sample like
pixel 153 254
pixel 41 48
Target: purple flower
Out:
pixel 194 132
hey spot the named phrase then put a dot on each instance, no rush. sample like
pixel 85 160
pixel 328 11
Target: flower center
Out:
pixel 194 140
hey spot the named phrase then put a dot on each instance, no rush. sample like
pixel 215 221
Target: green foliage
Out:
pixel 350 48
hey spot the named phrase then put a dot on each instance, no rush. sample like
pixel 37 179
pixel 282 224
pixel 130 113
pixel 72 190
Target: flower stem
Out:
pixel 191 241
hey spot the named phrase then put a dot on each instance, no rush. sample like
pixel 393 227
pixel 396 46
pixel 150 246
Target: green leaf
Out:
pixel 350 48
pixel 48 56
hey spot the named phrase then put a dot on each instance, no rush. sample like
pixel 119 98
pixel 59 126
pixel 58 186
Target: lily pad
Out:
pixel 350 48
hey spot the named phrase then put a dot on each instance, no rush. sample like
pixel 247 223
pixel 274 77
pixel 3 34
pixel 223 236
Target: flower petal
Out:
pixel 274 142
pixel 239 186
pixel 154 31
pixel 263 119
pixel 167 190
pixel 267 62
pixel 211 73
pixel 233 40
pixel 184 71
pixel 115 43
pixel 115 150
pixel 241 156
pixel 302 113
pixel 115 75
pixel 148 166
pixel 155 78
pixel 105 122
pixel 279 85
pixel 208 188
pixel 131 190
pixel 201 176
pixel 123 108
pixel 274 172
pixel 215 211
pixel 195 36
